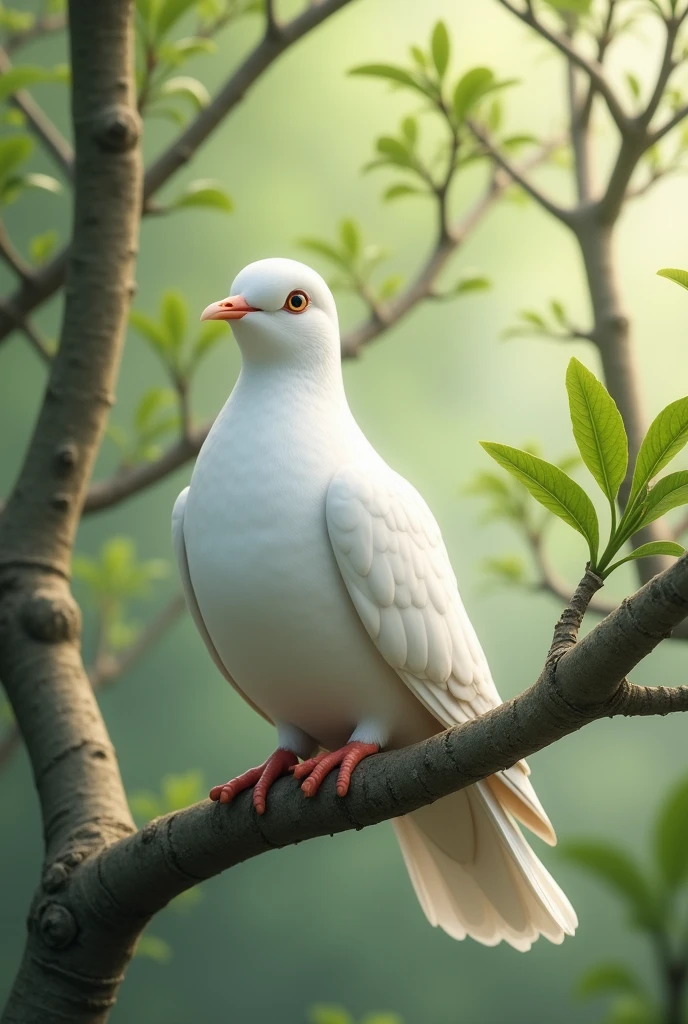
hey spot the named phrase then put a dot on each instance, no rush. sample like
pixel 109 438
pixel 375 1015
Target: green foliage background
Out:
pixel 335 921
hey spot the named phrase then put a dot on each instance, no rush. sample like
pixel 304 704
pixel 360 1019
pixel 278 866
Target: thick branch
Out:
pixel 584 684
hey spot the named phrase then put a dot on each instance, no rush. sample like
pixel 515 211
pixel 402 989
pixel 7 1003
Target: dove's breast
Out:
pixel 267 583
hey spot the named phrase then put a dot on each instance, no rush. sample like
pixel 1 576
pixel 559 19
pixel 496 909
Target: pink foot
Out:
pixel 260 778
pixel 317 768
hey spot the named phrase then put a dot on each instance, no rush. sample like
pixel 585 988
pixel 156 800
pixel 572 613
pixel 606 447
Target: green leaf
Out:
pixel 181 50
pixel 409 129
pixel 14 150
pixel 654 547
pixel 145 806
pixel 439 47
pixel 169 13
pixel 666 437
pixel 471 88
pixel 671 837
pixel 186 87
pixel 325 249
pixel 174 317
pixel 392 73
pixel 152 402
pixel 633 84
pixel 154 948
pixel 25 75
pixel 558 312
pixel 390 286
pixel 552 488
pixel 395 151
pixel 212 332
pixel 669 492
pixel 678 276
pixel 153 333
pixel 41 246
pixel 204 192
pixel 598 428
pixel 531 317
pixel 181 790
pixel 351 237
pixel 469 284
pixel 330 1015
pixel 607 977
pixel 508 569
pixel 619 872
pixel 399 190
pixel 45 182
pixel 570 6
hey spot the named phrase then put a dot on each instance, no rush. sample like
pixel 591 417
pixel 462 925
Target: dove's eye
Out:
pixel 296 302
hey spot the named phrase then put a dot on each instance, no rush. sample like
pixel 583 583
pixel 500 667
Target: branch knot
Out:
pixel 117 128
pixel 57 925
pixel 51 617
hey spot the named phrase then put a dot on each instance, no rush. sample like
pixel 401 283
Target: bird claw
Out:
pixel 261 778
pixel 316 769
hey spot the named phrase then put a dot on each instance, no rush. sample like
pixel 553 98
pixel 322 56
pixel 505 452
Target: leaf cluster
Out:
pixel 555 323
pixel 653 899
pixel 454 100
pixel 163 91
pixel 356 262
pixel 168 336
pixel 601 439
pixel 114 579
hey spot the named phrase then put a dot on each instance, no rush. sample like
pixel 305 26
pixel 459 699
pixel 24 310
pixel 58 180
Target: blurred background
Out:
pixel 335 921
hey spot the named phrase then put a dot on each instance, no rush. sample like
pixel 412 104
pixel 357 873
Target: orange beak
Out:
pixel 232 308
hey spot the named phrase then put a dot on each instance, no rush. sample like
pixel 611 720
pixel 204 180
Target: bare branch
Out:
pixel 515 173
pixel 592 68
pixel 667 67
pixel 552 583
pixel 41 125
pixel 580 683
pixel 12 257
pixel 668 126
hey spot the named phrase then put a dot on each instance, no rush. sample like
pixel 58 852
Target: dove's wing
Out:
pixel 179 545
pixel 396 568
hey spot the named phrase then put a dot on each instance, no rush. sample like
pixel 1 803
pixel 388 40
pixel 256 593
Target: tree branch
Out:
pixel 41 125
pixel 668 126
pixel 183 148
pixel 516 174
pixel 272 45
pixel 592 69
pixel 580 683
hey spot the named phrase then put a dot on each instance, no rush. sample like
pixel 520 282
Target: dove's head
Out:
pixel 281 311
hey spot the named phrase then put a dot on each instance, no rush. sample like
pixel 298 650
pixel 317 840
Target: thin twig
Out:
pixel 12 257
pixel 515 173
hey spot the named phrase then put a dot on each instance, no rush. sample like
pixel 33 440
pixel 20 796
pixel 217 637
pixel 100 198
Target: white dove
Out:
pixel 319 581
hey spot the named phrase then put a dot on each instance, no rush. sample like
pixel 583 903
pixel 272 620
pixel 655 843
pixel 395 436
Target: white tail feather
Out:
pixel 475 874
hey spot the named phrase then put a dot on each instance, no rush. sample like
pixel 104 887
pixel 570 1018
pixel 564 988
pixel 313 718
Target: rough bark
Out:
pixel 72 965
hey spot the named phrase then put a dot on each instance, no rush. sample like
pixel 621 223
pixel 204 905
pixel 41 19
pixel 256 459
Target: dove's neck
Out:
pixel 309 378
